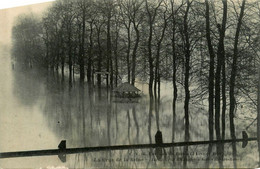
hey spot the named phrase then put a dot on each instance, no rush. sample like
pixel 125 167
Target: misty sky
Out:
pixel 16 3
pixel 7 18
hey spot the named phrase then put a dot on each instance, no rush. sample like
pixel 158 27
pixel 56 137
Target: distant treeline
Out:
pixel 208 47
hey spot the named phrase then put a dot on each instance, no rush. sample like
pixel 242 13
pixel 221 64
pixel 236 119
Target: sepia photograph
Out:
pixel 145 84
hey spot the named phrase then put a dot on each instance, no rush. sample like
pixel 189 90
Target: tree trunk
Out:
pixel 74 61
pixel 57 59
pixel 234 72
pixel 62 67
pixel 116 55
pixel 159 43
pixel 220 65
pixel 223 63
pixel 109 52
pixel 174 67
pixel 99 56
pixel 128 51
pixel 151 19
pixel 70 55
pixel 187 67
pixel 150 58
pixel 217 95
pixel 89 70
pixel 116 62
pixel 52 56
pixel 135 52
pixel 211 74
pixel 159 83
pixel 47 49
pixel 62 60
pixel 82 55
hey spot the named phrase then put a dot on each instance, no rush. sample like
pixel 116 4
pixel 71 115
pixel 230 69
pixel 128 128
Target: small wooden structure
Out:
pixel 126 90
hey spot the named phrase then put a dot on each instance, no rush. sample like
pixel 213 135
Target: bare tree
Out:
pixel 211 73
pixel 136 18
pixel 125 11
pixel 187 64
pixel 152 13
pixel 81 59
pixel 221 51
pixel 234 72
pixel 159 40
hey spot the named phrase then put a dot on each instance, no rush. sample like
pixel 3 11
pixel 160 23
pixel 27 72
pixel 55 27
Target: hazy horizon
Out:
pixel 8 16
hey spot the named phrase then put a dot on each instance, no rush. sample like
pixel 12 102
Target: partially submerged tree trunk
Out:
pixel 150 58
pixel 135 52
pixel 234 73
pixel 223 64
pixel 116 53
pixel 109 50
pixel 128 51
pixel 174 67
pixel 233 82
pixel 82 55
pixel 211 73
pixel 187 67
pixel 62 61
pixel 62 66
pixel 70 54
pixel 116 60
pixel 98 27
pixel 157 65
pixel 151 19
pixel 89 68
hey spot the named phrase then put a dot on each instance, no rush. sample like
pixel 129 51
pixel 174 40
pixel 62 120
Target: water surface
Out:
pixel 39 109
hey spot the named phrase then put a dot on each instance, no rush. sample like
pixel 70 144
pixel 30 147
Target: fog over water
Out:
pixel 38 110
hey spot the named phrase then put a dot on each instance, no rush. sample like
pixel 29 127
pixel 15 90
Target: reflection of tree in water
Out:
pixel 136 122
pixel 27 85
pixel 187 138
pixel 84 118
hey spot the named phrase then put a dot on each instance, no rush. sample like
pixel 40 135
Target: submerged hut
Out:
pixel 126 90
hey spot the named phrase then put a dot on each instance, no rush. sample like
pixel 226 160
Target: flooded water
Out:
pixel 38 110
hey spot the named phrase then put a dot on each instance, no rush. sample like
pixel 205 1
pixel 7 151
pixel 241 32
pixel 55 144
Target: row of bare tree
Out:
pixel 208 48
